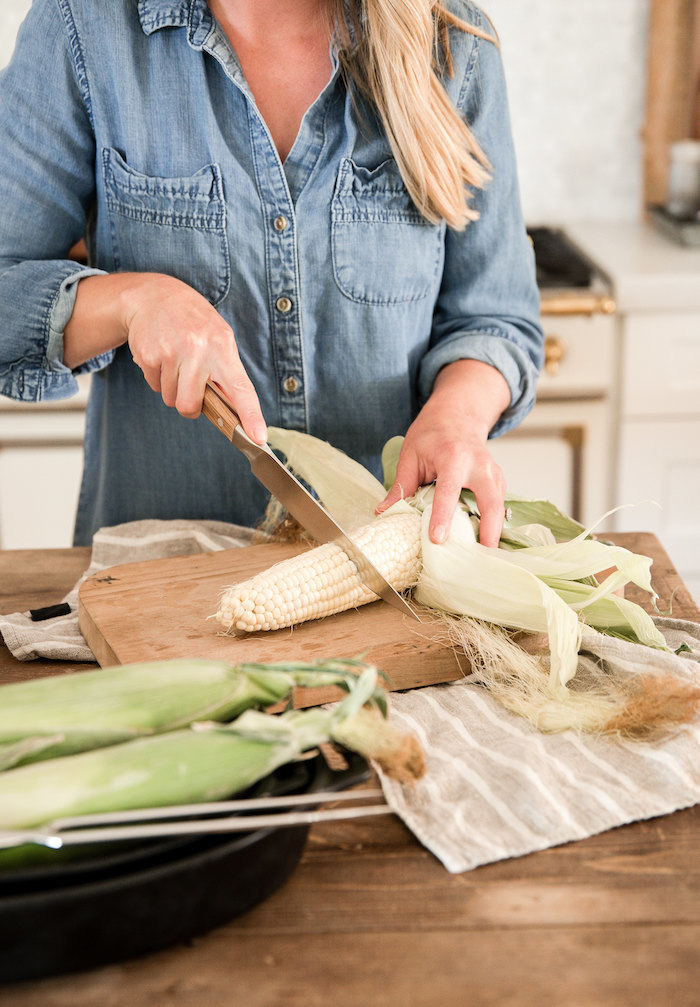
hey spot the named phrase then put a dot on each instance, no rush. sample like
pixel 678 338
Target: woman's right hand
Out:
pixel 175 336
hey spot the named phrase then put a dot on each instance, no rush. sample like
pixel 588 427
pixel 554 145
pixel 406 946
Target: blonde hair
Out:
pixel 393 51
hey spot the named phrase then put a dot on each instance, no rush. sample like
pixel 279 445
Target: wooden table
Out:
pixel 370 919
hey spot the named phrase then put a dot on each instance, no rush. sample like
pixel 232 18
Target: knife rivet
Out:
pixel 220 422
pixel 283 304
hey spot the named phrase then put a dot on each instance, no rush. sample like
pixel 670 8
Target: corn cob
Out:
pixel 56 716
pixel 324 580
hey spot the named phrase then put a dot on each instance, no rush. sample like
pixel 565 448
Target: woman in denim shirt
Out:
pixel 285 198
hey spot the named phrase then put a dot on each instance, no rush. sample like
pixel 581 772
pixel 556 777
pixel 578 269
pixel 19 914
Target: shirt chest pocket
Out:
pixel 384 252
pixel 169 225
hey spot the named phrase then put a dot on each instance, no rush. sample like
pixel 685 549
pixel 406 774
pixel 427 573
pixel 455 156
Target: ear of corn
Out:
pixel 324 580
pixel 549 575
pixel 55 716
pixel 178 767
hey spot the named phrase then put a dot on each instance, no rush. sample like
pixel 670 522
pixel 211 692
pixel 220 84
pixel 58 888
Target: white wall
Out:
pixel 576 75
pixel 12 13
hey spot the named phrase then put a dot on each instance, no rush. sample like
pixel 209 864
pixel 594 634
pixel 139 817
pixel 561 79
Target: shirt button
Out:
pixel 290 384
pixel 283 305
pixel 280 223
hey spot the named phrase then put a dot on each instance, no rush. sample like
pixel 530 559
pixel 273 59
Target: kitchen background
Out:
pixel 618 421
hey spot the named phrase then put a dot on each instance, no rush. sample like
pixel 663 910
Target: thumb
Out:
pixel 395 493
pixel 405 485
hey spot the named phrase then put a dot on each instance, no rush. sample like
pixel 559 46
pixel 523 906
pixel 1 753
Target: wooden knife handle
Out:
pixel 216 408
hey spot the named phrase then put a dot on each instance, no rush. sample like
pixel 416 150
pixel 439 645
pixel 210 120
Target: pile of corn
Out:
pixel 177 732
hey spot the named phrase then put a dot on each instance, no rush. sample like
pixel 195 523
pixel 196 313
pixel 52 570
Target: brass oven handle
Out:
pixel 583 303
pixel 554 353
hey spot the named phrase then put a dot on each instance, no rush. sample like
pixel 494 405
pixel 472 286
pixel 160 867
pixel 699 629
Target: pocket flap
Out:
pixel 190 201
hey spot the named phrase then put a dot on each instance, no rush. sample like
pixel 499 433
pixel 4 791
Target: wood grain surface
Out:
pixel 371 919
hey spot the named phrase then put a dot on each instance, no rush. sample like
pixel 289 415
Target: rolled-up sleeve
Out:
pixel 47 188
pixel 488 305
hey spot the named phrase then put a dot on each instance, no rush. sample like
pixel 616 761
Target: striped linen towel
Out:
pixel 496 787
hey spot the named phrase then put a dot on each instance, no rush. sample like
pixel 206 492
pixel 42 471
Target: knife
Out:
pixel 315 519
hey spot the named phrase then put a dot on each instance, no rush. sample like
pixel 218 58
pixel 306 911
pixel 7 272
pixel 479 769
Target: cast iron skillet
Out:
pixel 119 901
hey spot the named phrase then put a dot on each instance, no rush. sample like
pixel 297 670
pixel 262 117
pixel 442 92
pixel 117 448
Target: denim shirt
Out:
pixel 129 122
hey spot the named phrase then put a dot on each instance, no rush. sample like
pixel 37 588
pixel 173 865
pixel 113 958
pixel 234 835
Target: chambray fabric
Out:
pixel 131 123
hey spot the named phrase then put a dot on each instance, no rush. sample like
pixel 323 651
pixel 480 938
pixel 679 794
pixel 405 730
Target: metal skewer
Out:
pixel 190 819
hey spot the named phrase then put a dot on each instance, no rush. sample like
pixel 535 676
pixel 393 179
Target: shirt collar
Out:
pixel 191 14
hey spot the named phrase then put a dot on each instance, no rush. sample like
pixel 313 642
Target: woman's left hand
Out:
pixel 446 444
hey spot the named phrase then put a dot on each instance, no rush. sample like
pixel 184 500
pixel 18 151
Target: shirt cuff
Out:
pixel 494 347
pixel 59 380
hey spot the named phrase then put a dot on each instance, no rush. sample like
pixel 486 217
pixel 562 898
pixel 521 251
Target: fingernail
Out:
pixel 439 534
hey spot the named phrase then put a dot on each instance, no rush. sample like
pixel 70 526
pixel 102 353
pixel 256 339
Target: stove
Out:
pixel 570 282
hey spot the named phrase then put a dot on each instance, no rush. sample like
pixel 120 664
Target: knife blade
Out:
pixel 311 515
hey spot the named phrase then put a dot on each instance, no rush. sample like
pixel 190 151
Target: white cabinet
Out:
pixel 564 449
pixel 41 457
pixel 659 446
pixel 661 364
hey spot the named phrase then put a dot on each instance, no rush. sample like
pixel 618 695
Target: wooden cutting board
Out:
pixel 160 609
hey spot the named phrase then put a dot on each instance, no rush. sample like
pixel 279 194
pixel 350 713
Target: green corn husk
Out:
pixel 352 500
pixel 610 614
pixel 50 717
pixel 205 762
